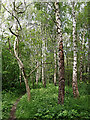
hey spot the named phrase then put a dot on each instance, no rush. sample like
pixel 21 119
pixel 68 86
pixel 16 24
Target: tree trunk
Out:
pixel 43 60
pixel 16 52
pixel 37 73
pixel 74 81
pixel 81 58
pixel 89 60
pixel 67 65
pixel 88 4
pixel 58 58
pixel 55 66
pixel 42 65
pixel 22 69
pixel 20 76
pixel 61 56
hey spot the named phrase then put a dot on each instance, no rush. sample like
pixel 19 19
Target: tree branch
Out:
pixel 13 16
pixel 25 7
pixel 9 43
pixel 36 68
pixel 13 32
pixel 11 52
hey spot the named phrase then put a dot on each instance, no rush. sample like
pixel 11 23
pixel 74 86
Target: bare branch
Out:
pixel 19 5
pixel 13 16
pixel 13 32
pixel 29 4
pixel 21 12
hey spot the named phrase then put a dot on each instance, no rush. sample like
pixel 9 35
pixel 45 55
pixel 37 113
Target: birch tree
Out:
pixel 61 56
pixel 37 73
pixel 74 81
pixel 81 58
pixel 16 45
pixel 43 60
pixel 55 67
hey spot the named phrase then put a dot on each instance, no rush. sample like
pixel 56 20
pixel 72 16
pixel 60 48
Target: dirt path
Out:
pixel 13 110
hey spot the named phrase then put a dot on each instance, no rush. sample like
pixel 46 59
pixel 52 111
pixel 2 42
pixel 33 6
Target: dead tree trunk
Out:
pixel 61 56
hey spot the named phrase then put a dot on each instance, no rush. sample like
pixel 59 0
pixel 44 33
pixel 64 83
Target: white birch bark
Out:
pixel 43 59
pixel 55 66
pixel 81 58
pixel 74 82
pixel 61 91
pixel 21 66
pixel 58 58
pixel 37 73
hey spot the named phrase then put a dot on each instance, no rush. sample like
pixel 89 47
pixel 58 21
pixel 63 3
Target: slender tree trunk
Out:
pixel 20 72
pixel 67 64
pixel 43 65
pixel 22 69
pixel 58 59
pixel 16 50
pixel 37 73
pixel 81 67
pixel 74 81
pixel 88 4
pixel 43 59
pixel 20 76
pixel 61 57
pixel 81 58
pixel 68 73
pixel 89 59
pixel 55 66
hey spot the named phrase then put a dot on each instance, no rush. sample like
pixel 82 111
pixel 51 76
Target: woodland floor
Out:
pixel 13 110
pixel 43 104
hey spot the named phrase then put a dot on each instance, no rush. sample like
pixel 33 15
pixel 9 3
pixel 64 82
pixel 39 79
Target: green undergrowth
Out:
pixel 43 104
pixel 8 99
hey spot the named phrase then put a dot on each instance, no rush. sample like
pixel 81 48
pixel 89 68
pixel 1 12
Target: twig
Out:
pixel 25 7
pixel 13 32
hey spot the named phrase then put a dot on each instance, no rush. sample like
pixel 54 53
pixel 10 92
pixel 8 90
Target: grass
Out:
pixel 8 99
pixel 43 104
